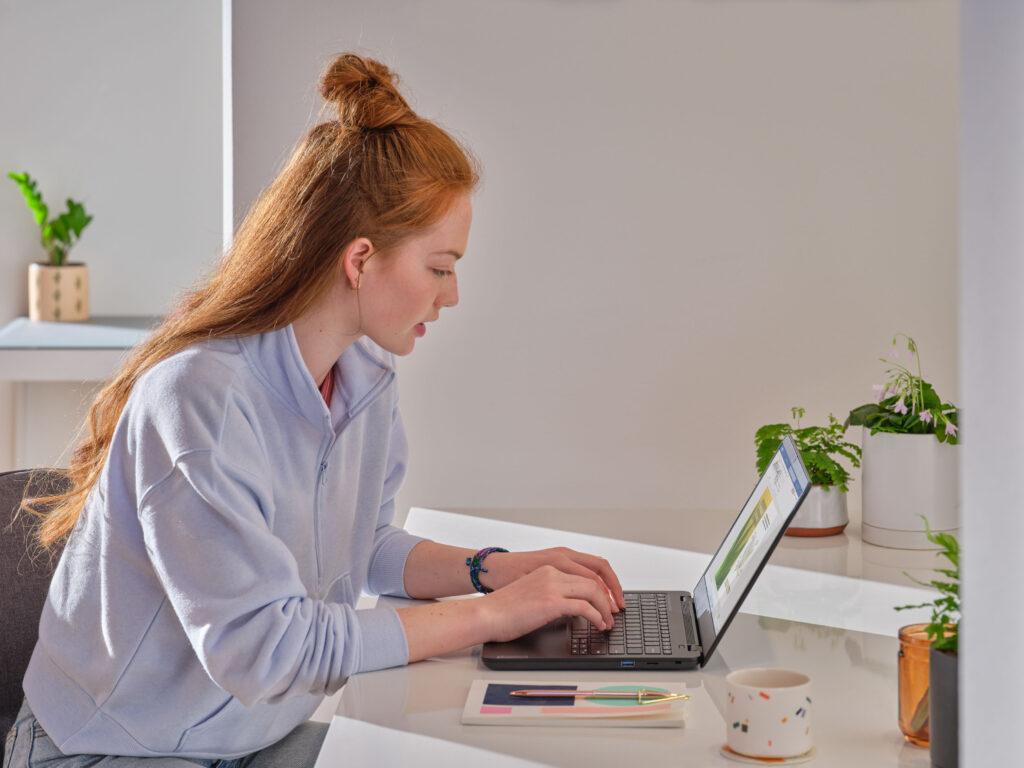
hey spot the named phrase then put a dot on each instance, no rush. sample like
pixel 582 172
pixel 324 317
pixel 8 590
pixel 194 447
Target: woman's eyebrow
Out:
pixel 456 254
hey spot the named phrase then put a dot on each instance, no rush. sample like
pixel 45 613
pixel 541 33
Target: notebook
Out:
pixel 674 629
pixel 490 702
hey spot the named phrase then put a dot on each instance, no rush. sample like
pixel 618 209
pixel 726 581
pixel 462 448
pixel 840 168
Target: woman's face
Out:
pixel 404 289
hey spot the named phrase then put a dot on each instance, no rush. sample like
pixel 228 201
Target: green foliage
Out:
pixel 944 628
pixel 57 235
pixel 908 405
pixel 817 446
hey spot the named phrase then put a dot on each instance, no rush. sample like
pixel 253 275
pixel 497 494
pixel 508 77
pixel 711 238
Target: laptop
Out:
pixel 668 629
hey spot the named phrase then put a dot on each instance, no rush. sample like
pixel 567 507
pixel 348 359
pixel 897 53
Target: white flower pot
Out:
pixel 58 293
pixel 904 477
pixel 823 513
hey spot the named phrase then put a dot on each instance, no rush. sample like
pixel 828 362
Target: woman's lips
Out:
pixel 421 329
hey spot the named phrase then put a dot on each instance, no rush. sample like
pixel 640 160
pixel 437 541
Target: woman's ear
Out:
pixel 354 258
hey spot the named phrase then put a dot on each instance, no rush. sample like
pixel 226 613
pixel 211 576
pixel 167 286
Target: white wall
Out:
pixel 694 216
pixel 117 104
pixel 991 369
pixel 667 183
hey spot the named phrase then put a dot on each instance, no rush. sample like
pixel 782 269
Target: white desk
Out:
pixel 845 554
pixel 415 710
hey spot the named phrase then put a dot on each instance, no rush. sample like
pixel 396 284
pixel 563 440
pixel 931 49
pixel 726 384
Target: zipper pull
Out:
pixel 323 473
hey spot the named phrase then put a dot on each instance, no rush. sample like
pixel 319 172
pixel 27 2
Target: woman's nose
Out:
pixel 450 295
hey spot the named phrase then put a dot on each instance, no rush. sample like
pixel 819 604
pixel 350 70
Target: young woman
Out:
pixel 236 489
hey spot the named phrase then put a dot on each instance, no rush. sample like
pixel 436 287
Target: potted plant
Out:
pixel 824 511
pixel 58 289
pixel 910 462
pixel 943 661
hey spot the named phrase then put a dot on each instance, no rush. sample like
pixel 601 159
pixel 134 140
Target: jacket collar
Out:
pixel 361 374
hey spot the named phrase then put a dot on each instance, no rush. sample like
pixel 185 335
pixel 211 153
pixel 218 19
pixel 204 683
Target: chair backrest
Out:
pixel 24 580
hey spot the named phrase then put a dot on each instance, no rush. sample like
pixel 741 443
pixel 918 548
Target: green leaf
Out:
pixel 77 219
pixel 851 452
pixel 765 451
pixel 59 227
pixel 944 626
pixel 908 421
pixel 931 400
pixel 772 432
pixel 806 434
pixel 33 199
pixel 817 446
pixel 64 228
pixel 766 442
pixel 911 607
pixel 863 415
pixel 943 586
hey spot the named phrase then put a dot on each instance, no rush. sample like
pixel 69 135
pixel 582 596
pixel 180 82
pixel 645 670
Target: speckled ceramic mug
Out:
pixel 768 713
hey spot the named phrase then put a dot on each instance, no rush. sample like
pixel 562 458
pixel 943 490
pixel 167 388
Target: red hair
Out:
pixel 377 171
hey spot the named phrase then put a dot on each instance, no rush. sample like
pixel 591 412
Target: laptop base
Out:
pixel 551 646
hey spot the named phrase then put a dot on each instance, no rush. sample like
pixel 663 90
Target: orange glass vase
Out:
pixel 912 670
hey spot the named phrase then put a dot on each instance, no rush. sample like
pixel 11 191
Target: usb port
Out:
pixel 627 663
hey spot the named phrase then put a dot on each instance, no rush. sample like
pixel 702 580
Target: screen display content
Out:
pixel 757 526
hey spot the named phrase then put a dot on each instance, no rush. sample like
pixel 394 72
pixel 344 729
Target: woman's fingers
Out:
pixel 543 595
pixel 553 585
pixel 577 569
pixel 600 570
pixel 511 567
pixel 608 576
pixel 588 612
pixel 584 590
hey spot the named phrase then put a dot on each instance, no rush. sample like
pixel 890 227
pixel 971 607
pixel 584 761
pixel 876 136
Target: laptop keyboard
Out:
pixel 641 629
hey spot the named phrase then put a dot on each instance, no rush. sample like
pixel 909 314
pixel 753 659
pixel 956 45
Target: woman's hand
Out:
pixel 540 596
pixel 530 589
pixel 505 568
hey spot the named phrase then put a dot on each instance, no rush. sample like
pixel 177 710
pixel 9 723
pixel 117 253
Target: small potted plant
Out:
pixel 57 288
pixel 943 631
pixel 824 511
pixel 910 461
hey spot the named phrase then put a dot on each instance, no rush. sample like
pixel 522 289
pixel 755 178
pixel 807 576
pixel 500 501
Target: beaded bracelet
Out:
pixel 475 564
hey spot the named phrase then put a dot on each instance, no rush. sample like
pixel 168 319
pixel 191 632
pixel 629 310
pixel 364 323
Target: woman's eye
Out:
pixel 442 272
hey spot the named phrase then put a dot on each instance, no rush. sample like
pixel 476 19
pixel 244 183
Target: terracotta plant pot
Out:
pixel 58 293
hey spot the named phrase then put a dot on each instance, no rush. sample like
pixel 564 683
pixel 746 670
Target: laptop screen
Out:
pixel 750 541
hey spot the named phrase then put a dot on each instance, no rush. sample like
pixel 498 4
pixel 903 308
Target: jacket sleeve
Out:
pixel 391 545
pixel 236 589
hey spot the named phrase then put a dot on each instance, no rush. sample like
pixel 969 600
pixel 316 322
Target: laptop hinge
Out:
pixel 690 614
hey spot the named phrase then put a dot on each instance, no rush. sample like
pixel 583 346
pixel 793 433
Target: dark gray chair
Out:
pixel 24 579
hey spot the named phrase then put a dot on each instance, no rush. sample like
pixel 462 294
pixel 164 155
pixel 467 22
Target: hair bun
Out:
pixel 365 92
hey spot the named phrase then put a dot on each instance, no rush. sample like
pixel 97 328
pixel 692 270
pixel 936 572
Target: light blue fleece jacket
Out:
pixel 205 602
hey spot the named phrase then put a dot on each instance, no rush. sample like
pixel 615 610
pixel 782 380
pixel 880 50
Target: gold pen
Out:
pixel 640 695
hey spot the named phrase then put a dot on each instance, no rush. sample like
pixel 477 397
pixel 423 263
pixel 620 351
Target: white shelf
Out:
pixel 86 351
